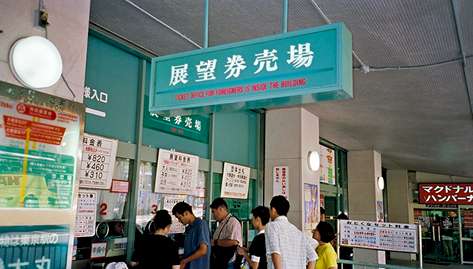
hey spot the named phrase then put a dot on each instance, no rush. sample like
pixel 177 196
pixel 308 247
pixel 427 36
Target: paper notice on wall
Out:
pixel 281 181
pixel 86 214
pixel 327 165
pixel 169 202
pixel 98 161
pixel 311 206
pixel 176 173
pixel 235 181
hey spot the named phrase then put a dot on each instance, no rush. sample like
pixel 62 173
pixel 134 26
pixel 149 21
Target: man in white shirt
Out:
pixel 286 246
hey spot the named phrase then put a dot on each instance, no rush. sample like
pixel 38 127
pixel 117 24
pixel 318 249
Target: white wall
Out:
pixel 68 29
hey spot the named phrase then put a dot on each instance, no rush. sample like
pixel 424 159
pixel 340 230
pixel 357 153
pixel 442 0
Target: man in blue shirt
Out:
pixel 197 238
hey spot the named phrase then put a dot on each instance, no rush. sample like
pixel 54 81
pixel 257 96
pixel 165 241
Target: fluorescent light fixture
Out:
pixel 35 62
pixel 314 161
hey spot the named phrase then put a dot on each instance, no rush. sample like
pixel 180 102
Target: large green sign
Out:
pixel 292 68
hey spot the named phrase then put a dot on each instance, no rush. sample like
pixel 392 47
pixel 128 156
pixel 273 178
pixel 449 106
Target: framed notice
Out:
pixel 311 206
pixel 176 172
pixel 281 181
pixel 39 145
pixel 34 246
pixel 169 202
pixel 235 181
pixel 98 161
pixel 86 216
pixel 327 165
pixel 379 235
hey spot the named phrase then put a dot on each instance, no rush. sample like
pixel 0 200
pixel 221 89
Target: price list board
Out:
pixel 235 181
pixel 176 173
pixel 98 160
pixel 86 216
pixel 379 235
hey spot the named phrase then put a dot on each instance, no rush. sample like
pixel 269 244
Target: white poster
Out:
pixel 281 181
pixel 98 161
pixel 98 250
pixel 235 181
pixel 169 202
pixel 379 235
pixel 176 172
pixel 86 216
pixel 327 165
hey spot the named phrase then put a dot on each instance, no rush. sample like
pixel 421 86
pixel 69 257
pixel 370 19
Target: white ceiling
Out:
pixel 418 117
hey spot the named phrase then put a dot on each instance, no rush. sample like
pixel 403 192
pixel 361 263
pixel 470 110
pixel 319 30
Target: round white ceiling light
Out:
pixel 314 161
pixel 36 62
pixel 381 183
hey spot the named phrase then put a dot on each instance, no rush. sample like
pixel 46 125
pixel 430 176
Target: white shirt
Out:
pixel 283 238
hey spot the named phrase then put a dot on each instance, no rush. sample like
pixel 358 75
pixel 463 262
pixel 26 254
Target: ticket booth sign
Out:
pixel 298 67
pixel 446 193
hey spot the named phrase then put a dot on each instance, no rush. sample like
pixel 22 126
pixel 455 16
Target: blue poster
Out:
pixel 34 247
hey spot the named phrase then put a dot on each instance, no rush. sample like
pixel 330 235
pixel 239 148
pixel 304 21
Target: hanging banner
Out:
pixel 169 202
pixel 298 67
pixel 34 246
pixel 86 214
pixel 235 181
pixel 379 235
pixel 281 181
pixel 446 193
pixel 327 165
pixel 176 172
pixel 98 161
pixel 311 206
pixel 39 144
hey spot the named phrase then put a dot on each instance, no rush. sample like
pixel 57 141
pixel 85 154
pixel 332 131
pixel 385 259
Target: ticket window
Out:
pixel 111 224
pixel 150 201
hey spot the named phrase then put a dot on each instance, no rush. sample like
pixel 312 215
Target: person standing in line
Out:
pixel 256 255
pixel 324 234
pixel 196 238
pixel 286 246
pixel 226 238
pixel 157 250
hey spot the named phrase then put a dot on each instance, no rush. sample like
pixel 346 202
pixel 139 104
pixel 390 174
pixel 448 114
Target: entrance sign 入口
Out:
pixel 281 181
pixel 235 181
pixel 446 193
pixel 86 216
pixel 176 172
pixel 98 161
pixel 39 144
pixel 34 246
pixel 379 235
pixel 292 68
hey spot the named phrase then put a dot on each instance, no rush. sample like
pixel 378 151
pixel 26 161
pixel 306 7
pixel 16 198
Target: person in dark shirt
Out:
pixel 156 250
pixel 196 238
pixel 256 255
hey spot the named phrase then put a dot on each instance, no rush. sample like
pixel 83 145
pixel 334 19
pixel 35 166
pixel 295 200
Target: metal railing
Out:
pixel 345 264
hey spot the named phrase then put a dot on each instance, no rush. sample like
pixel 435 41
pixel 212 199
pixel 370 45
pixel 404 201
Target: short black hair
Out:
pixel 322 210
pixel 280 204
pixel 162 219
pixel 326 231
pixel 181 207
pixel 218 202
pixel 262 212
pixel 342 216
